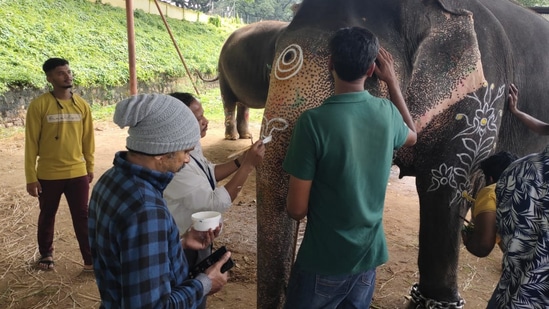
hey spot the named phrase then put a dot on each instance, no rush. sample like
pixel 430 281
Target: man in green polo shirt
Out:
pixel 339 161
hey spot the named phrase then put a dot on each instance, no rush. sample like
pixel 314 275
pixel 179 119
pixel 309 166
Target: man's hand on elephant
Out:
pixel 34 188
pixel 513 98
pixel 385 67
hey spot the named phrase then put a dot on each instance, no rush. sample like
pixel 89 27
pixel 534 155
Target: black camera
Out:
pixel 209 261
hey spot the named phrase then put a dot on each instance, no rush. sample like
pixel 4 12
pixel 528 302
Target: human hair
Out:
pixel 53 63
pixel 184 97
pixel 494 165
pixel 353 50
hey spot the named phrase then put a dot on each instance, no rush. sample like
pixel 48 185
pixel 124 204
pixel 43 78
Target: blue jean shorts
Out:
pixel 311 291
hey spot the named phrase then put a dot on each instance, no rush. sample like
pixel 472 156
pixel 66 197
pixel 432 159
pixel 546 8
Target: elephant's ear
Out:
pixel 446 65
pixel 453 6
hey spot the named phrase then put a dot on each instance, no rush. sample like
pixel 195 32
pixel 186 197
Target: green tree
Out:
pixel 205 6
pixel 249 10
pixel 255 10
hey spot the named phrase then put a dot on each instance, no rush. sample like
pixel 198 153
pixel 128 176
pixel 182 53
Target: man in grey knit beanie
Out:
pixel 136 248
pixel 158 124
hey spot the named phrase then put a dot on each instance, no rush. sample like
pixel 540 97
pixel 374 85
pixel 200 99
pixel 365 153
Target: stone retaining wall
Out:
pixel 13 103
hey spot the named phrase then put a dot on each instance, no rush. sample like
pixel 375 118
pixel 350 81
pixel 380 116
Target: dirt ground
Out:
pixel 22 286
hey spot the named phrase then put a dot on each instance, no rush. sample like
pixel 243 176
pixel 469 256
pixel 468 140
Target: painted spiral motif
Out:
pixel 289 62
pixel 275 124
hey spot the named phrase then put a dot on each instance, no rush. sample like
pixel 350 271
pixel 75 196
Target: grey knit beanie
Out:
pixel 158 124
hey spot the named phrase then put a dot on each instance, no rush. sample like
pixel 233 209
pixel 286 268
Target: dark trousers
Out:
pixel 193 258
pixel 76 192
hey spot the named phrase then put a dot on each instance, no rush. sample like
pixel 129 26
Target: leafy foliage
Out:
pixel 216 21
pixel 530 3
pixel 249 10
pixel 198 5
pixel 93 37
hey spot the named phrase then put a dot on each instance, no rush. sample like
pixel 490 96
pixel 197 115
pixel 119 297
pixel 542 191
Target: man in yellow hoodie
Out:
pixel 59 149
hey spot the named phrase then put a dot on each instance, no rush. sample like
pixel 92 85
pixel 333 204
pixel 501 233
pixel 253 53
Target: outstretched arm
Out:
pixel 252 159
pixel 531 122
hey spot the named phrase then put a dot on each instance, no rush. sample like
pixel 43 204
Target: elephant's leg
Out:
pixel 276 234
pixel 229 107
pixel 242 121
pixel 439 237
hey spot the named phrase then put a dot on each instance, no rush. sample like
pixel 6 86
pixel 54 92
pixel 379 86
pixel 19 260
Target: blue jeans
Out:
pixel 311 291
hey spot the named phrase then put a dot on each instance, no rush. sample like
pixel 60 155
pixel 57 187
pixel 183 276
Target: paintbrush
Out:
pixel 243 150
pixel 467 221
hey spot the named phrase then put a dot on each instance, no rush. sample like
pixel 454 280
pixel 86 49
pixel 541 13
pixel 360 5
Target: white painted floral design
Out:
pixel 478 139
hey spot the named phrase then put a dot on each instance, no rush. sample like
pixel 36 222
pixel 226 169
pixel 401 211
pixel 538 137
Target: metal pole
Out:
pixel 131 47
pixel 175 45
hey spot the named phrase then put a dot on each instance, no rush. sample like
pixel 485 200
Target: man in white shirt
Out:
pixel 194 188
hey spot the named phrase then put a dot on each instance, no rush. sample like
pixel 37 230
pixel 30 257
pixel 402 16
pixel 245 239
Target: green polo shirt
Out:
pixel 345 146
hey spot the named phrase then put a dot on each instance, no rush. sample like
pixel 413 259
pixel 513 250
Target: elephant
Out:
pixel 455 60
pixel 243 73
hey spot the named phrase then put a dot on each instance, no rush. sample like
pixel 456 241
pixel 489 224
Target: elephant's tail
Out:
pixel 206 80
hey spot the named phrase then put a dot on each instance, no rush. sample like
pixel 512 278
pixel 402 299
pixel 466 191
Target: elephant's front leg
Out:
pixel 439 242
pixel 242 121
pixel 276 231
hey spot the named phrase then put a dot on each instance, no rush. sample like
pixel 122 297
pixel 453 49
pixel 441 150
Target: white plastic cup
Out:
pixel 205 220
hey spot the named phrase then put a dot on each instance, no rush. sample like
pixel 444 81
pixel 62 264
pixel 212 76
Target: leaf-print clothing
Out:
pixel 522 219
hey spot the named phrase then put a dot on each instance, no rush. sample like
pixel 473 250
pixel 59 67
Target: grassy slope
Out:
pixel 93 37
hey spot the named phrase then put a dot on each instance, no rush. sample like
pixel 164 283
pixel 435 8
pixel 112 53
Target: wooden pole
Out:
pixel 131 46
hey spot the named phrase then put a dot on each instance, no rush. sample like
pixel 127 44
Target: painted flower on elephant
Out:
pixel 444 176
pixel 485 118
pixel 478 140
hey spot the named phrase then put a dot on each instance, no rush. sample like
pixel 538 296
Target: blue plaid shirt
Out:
pixel 137 255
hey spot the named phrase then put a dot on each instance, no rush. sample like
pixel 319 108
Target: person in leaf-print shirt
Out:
pixel 522 220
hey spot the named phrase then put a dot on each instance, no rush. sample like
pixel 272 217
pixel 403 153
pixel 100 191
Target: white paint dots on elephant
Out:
pixel 289 62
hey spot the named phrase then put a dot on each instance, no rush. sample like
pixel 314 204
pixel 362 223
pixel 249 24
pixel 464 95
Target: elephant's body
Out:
pixel 455 60
pixel 244 69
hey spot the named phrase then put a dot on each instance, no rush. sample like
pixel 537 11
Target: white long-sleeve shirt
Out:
pixel 190 191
